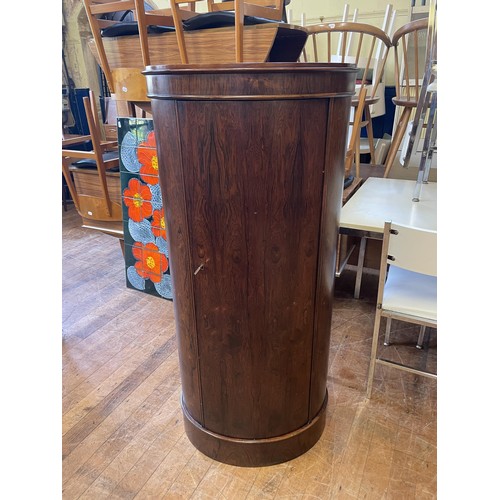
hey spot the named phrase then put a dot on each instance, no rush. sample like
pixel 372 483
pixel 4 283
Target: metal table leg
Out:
pixel 359 270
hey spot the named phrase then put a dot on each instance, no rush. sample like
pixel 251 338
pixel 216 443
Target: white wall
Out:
pixel 333 9
pixel 369 11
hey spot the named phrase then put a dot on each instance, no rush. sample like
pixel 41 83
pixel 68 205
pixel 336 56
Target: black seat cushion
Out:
pixel 91 164
pixel 348 181
pixel 221 19
pixel 81 146
pixel 124 15
pixel 287 45
pixel 131 28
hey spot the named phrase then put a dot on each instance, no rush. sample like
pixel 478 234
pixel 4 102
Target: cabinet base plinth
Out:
pixel 255 452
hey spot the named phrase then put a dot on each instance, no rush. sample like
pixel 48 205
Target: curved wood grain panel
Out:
pixel 253 189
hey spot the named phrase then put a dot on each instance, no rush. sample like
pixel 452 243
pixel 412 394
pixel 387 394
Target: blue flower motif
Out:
pixel 156 199
pixel 134 279
pixel 161 243
pixel 164 287
pixel 141 231
pixel 128 152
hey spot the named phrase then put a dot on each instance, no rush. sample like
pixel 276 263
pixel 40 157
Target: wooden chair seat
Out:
pixel 96 213
pixel 407 102
pixel 255 11
pixel 108 157
pixel 274 42
pixel 368 100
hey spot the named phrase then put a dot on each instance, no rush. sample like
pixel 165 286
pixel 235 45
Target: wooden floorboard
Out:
pixel 122 427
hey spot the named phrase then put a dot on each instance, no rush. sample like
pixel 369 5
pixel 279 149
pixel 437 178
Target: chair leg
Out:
pixel 357 156
pixel 420 341
pixel 337 260
pixel 122 246
pixel 369 132
pixel 348 162
pixel 396 140
pixel 373 356
pixel 359 269
pixel 64 199
pixel 387 339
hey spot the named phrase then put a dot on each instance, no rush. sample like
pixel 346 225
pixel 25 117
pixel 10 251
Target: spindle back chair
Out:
pixel 362 44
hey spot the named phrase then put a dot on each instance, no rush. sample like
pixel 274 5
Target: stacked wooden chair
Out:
pixel 231 31
pixel 92 176
pixel 408 41
pixel 121 61
pixel 227 13
pixel 364 45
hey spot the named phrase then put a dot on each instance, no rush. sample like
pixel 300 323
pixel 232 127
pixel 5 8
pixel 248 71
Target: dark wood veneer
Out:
pixel 251 170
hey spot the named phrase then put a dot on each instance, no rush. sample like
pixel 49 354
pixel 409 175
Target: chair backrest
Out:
pixel 411 248
pixel 357 43
pixel 96 10
pixel 158 17
pixel 127 83
pixel 90 188
pixel 354 131
pixel 409 44
pixel 266 9
pixel 178 14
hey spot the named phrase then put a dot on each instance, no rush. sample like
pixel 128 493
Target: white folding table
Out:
pixel 379 200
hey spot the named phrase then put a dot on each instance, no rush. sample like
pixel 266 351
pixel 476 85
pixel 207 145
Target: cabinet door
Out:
pixel 253 203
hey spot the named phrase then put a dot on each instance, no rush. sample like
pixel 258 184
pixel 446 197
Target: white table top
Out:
pixel 379 200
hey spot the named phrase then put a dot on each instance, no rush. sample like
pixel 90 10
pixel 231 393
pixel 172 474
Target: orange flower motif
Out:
pixel 158 225
pixel 137 197
pixel 148 157
pixel 151 264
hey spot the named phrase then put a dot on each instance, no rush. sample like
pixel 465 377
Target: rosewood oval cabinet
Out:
pixel 251 166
